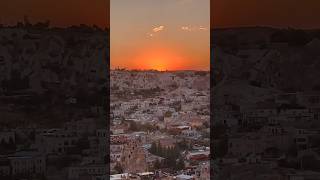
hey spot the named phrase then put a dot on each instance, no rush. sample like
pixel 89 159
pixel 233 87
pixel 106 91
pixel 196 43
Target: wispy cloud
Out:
pixel 201 28
pixel 193 28
pixel 186 28
pixel 157 29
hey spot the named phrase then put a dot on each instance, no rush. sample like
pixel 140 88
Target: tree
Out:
pixel 157 164
pixel 133 126
pixel 298 38
pixel 171 154
pixel 183 145
pixel 180 164
pixel 219 131
pixel 153 148
pixel 11 145
pixel 148 127
pixel 221 147
pixel 168 114
pixel 32 135
pixel 2 145
pixel 206 124
pixel 118 168
pixel 159 150
pixel 279 37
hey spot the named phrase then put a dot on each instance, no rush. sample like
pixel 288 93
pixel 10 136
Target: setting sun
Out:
pixel 158 64
pixel 158 58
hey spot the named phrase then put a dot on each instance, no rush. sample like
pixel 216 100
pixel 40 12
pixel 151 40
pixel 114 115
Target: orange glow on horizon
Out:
pixel 158 58
pixel 161 58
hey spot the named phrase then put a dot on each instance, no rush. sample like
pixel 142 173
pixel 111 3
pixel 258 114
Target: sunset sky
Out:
pixel 160 34
pixel 276 13
pixel 225 13
pixel 164 34
pixel 60 13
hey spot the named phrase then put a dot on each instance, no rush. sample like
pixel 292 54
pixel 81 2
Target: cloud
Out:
pixel 154 31
pixel 186 28
pixel 193 28
pixel 201 28
pixel 157 29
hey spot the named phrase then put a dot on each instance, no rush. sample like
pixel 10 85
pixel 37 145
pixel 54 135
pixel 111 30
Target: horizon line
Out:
pixel 262 26
pixel 167 70
pixel 51 25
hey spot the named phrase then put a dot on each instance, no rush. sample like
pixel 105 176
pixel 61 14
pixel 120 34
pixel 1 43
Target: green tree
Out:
pixel 157 164
pixel 133 126
pixel 183 145
pixel 168 114
pixel 159 150
pixel 118 168
pixel 180 164
pixel 153 148
pixel 206 124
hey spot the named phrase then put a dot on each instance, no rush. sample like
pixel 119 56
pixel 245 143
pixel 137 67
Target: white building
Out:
pixel 75 172
pixel 27 163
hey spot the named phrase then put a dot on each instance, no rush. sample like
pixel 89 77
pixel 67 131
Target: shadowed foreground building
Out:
pixel 265 103
pixel 52 101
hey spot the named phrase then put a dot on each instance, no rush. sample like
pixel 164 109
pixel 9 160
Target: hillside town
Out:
pixel 160 124
pixel 266 104
pixel 53 92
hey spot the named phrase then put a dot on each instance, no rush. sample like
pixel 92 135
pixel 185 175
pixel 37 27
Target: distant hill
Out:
pixel 43 69
pixel 286 60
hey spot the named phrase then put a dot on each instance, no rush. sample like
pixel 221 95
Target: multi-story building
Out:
pixel 27 163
